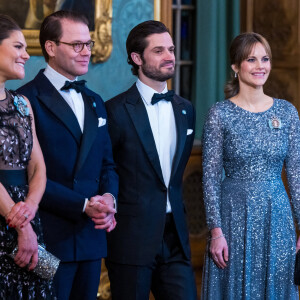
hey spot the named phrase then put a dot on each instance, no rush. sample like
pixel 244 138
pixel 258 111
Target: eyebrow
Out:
pixel 18 42
pixel 250 56
pixel 162 47
pixel 78 41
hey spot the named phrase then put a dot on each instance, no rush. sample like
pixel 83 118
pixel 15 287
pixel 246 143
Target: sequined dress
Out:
pixel 249 202
pixel 15 149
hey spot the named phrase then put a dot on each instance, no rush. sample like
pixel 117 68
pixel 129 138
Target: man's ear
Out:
pixel 50 47
pixel 136 57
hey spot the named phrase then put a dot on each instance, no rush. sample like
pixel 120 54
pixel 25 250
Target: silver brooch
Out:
pixel 275 123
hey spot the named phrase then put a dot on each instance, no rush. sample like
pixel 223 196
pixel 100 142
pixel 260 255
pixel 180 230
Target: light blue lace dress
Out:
pixel 251 204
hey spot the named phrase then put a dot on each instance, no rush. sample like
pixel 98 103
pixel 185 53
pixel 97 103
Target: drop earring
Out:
pixel 235 75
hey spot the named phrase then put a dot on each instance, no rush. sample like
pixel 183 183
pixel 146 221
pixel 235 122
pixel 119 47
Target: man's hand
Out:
pixel 101 210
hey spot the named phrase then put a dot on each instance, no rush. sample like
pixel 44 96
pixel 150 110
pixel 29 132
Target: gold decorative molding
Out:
pixel 157 12
pixel 102 33
pixel 104 286
pixel 32 40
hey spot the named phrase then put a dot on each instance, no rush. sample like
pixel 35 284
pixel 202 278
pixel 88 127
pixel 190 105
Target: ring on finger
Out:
pixel 26 216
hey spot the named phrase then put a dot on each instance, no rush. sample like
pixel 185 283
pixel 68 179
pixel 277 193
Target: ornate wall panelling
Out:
pixel 279 22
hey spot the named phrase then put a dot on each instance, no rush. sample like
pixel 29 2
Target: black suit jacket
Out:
pixel 142 191
pixel 79 165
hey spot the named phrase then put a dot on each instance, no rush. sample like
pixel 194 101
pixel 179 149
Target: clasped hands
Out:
pixel 101 210
pixel 21 214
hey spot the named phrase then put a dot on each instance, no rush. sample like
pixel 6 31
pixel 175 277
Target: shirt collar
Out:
pixel 57 79
pixel 147 92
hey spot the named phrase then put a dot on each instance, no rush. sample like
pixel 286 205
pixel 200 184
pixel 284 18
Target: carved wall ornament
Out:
pixel 279 25
pixel 102 33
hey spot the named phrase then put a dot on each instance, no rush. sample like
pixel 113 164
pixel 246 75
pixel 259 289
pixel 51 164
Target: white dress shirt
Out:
pixel 73 98
pixel 162 122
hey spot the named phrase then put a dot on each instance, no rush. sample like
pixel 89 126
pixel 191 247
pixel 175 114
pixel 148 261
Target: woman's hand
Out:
pixel 21 214
pixel 27 248
pixel 218 248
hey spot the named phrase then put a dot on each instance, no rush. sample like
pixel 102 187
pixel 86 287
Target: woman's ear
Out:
pixel 235 68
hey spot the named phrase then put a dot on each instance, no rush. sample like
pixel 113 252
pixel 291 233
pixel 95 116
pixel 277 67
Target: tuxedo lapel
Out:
pixel 181 128
pixel 89 131
pixel 139 117
pixel 52 99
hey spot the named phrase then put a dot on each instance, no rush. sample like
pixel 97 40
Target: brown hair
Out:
pixel 7 25
pixel 240 49
pixel 51 29
pixel 136 40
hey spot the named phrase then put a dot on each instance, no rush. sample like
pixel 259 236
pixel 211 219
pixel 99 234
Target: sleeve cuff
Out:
pixel 85 203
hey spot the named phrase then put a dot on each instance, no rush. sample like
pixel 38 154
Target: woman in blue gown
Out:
pixel 251 136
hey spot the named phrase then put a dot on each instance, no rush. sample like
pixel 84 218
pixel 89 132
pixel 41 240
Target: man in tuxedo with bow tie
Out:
pixel 152 133
pixel 78 205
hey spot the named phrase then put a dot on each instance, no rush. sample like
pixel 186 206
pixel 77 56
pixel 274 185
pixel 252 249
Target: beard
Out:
pixel 155 73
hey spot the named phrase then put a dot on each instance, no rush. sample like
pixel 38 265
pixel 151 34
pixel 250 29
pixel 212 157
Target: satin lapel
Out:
pixel 139 117
pixel 181 128
pixel 89 131
pixel 52 99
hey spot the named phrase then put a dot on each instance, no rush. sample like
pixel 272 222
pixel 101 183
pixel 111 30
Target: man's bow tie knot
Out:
pixel 157 97
pixel 78 86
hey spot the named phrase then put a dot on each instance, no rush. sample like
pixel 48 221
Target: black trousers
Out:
pixel 170 276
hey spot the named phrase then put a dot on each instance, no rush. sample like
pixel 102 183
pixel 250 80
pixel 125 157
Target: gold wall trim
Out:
pixel 102 34
pixel 157 12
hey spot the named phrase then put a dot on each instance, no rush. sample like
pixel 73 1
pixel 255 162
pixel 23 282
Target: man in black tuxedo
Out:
pixel 78 205
pixel 152 133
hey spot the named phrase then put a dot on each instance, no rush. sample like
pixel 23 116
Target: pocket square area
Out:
pixel 101 122
pixel 189 131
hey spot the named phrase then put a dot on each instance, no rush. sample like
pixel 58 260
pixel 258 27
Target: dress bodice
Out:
pixel 251 147
pixel 15 132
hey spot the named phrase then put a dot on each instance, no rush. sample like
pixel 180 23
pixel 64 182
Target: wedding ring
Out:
pixel 26 216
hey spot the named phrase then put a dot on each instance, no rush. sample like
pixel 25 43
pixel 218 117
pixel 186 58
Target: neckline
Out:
pixel 6 96
pixel 251 112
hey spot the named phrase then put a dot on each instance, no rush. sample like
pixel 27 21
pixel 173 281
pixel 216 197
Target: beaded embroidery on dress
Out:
pixel 251 204
pixel 15 150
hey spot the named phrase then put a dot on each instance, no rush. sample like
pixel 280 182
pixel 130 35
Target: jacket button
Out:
pixel 97 180
pixel 75 181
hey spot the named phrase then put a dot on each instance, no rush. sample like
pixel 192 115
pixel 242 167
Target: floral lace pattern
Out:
pixel 15 134
pixel 15 150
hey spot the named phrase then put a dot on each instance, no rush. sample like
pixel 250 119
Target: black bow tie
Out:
pixel 157 97
pixel 78 86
